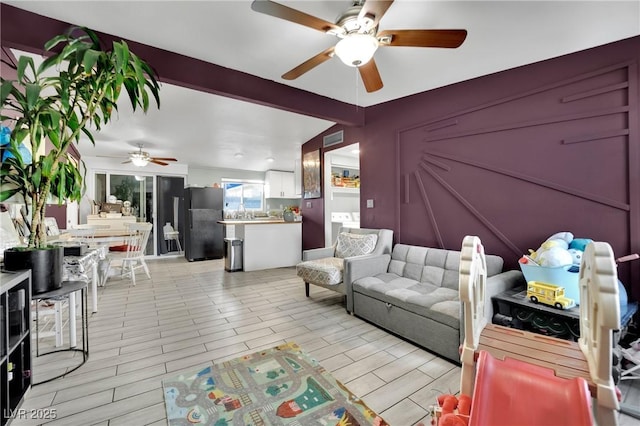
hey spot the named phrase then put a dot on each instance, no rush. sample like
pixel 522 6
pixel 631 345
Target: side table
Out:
pixel 68 290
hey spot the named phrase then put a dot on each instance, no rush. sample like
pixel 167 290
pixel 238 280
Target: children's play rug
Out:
pixel 278 386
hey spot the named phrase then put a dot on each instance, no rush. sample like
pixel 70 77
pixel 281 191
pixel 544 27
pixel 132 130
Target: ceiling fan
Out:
pixel 357 29
pixel 141 158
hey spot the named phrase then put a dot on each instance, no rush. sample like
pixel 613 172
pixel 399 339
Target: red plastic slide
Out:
pixel 512 392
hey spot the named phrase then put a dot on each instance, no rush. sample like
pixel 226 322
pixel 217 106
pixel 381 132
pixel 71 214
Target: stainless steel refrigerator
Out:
pixel 203 235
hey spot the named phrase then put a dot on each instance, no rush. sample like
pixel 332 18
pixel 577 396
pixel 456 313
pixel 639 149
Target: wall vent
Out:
pixel 333 139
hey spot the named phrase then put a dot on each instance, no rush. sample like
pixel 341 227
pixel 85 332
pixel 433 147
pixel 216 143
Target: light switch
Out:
pixel 308 204
pixel 369 204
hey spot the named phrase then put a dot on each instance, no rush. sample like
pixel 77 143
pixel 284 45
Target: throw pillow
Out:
pixel 355 244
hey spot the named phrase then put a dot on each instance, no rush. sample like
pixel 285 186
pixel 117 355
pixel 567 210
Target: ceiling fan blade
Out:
pixel 309 64
pixel 422 38
pixel 292 15
pixel 111 156
pixel 370 76
pixel 375 9
pixel 162 163
pixel 164 158
pixel 125 162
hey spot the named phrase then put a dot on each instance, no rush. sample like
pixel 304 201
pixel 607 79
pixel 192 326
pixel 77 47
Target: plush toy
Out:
pixel 577 255
pixel 565 236
pixel 579 243
pixel 553 251
pixel 555 257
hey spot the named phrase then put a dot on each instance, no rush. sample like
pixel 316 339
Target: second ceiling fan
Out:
pixel 357 29
pixel 141 158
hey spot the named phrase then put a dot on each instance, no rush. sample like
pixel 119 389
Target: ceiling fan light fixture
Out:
pixel 356 49
pixel 139 161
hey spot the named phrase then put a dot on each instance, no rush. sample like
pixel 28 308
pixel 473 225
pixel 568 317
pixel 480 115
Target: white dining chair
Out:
pixel 82 233
pixel 131 256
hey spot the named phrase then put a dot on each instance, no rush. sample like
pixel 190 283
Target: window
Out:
pixel 251 194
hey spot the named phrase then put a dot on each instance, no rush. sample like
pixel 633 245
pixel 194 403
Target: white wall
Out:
pixel 209 176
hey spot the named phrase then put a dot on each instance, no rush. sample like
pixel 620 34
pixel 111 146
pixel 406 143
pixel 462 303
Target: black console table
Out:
pixel 68 289
pixel 513 309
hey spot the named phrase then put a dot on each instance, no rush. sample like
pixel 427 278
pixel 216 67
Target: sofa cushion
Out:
pixel 425 299
pixel 326 271
pixel 349 244
pixel 434 266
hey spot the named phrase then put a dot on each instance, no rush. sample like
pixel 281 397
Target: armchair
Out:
pixel 324 266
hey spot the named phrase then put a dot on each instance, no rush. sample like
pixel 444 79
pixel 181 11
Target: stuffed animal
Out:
pixel 579 243
pixel 577 255
pixel 553 251
pixel 555 257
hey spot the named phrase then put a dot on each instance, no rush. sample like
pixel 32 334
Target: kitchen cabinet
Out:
pixel 15 341
pixel 279 184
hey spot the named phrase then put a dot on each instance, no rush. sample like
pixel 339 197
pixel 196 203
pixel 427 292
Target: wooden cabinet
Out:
pixel 15 341
pixel 279 184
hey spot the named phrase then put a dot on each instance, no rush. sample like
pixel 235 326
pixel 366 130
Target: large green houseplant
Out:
pixel 49 107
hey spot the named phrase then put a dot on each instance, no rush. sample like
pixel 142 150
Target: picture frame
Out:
pixel 51 226
pixel 311 177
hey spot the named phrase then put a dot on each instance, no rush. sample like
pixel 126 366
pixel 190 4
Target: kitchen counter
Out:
pixel 266 242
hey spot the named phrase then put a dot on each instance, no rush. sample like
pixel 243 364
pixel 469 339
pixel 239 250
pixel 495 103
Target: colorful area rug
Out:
pixel 278 386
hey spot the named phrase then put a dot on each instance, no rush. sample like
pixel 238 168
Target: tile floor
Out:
pixel 192 314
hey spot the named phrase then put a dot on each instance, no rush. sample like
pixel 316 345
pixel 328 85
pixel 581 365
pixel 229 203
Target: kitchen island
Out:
pixel 267 243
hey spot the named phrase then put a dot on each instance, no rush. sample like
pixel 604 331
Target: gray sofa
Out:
pixel 413 292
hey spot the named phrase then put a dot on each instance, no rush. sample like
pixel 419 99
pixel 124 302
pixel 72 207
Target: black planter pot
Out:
pixel 45 265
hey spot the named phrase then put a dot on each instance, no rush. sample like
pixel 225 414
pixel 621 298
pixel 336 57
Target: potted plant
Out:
pixel 289 213
pixel 71 93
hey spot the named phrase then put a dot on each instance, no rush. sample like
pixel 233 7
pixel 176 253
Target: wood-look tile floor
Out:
pixel 191 315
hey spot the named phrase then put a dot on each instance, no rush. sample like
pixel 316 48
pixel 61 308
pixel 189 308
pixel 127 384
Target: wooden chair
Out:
pixel 589 358
pixel 132 255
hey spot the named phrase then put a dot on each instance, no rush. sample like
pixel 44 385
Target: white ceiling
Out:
pixel 204 130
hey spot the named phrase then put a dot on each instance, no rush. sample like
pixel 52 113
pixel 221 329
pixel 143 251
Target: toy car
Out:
pixel 548 294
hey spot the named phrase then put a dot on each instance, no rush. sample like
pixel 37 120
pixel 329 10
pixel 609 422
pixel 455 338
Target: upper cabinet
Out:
pixel 279 184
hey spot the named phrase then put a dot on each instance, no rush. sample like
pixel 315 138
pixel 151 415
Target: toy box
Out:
pixel 561 276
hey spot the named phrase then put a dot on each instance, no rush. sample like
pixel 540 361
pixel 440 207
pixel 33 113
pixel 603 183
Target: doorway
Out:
pixel 342 194
pixel 170 211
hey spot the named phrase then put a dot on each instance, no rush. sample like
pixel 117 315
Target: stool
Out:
pixel 68 290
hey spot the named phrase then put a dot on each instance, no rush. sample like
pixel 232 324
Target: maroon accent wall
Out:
pixel 513 157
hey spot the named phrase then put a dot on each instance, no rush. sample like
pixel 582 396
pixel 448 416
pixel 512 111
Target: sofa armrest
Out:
pixel 360 267
pixel 497 284
pixel 319 253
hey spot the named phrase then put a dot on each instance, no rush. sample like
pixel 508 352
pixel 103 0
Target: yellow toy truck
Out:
pixel 548 294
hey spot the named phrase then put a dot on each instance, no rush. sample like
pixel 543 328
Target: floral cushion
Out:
pixel 355 244
pixel 327 271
